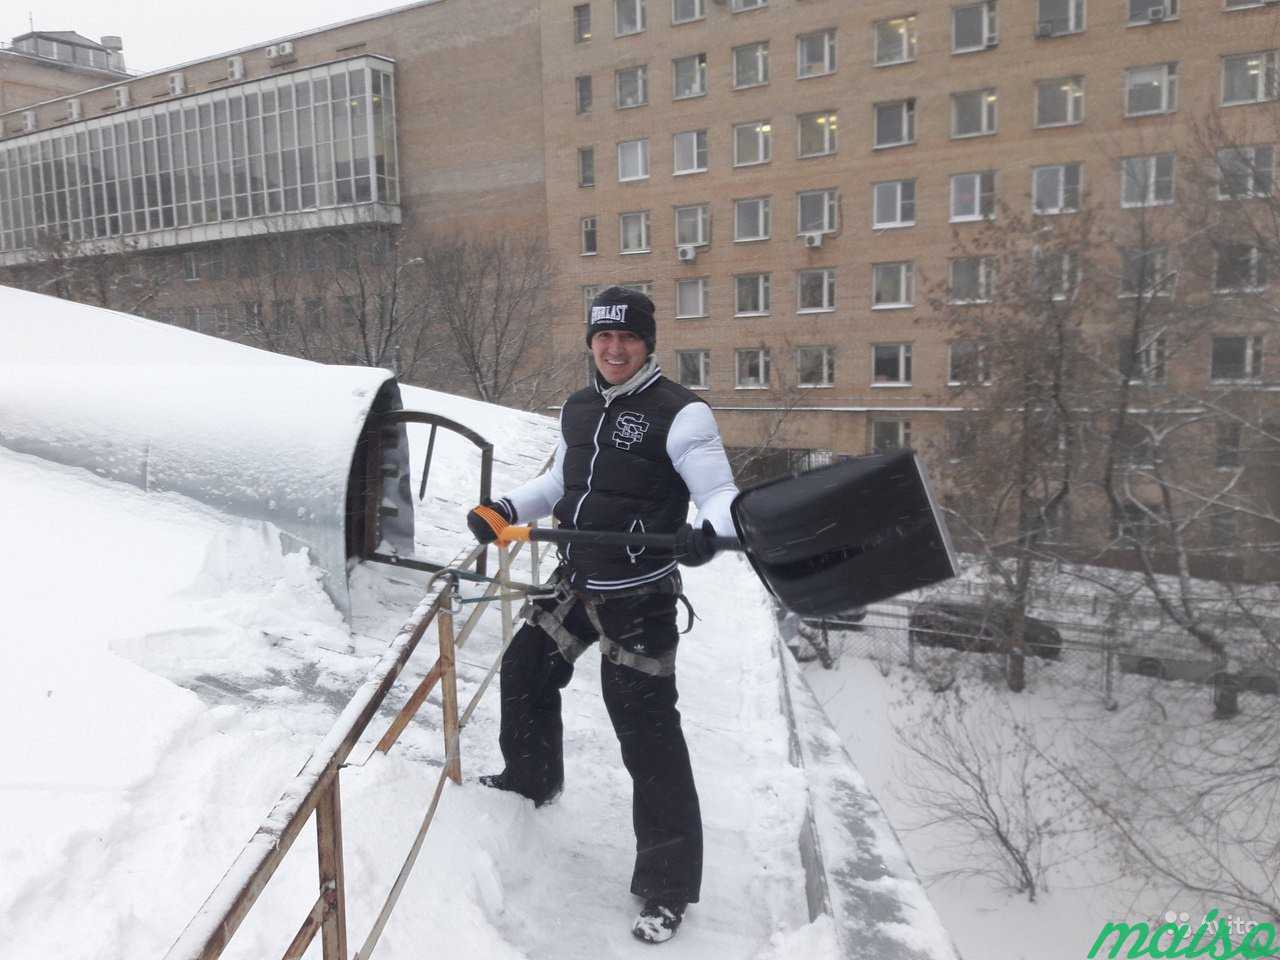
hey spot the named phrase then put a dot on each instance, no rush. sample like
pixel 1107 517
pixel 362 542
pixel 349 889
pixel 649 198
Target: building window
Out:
pixel 1059 102
pixel 582 22
pixel 972 279
pixel 973 27
pixel 817 134
pixel 691 298
pixel 690 76
pixel 893 204
pixel 753 369
pixel 816 291
pixel 1151 89
pixel 589 244
pixel 751 219
pixel 1240 267
pixel 686 11
pixel 815 54
pixel 815 366
pixel 213 264
pixel 589 293
pixel 1056 188
pixel 1227 452
pixel 582 88
pixel 632 87
pixel 1056 18
pixel 1057 274
pixel 190 266
pixel 973 113
pixel 968 364
pixel 1236 359
pixel 891 365
pixel 690 152
pixel 751 294
pixel 738 6
pixel 1151 11
pixel 633 160
pixel 635 231
pixel 1142 361
pixel 628 16
pixel 693 225
pixel 751 64
pixel 961 436
pixel 752 143
pixel 1146 181
pixel 973 195
pixel 895 41
pixel 1245 172
pixel 895 123
pixel 817 211
pixel 1145 272
pixel 1135 524
pixel 1251 77
pixel 695 368
pixel 892 285
pixel 586 166
pixel 890 435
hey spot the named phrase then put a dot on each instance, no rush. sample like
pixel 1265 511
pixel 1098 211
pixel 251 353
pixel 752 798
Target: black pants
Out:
pixel 664 800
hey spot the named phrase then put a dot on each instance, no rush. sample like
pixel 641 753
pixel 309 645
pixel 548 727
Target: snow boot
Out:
pixel 658 921
pixel 498 781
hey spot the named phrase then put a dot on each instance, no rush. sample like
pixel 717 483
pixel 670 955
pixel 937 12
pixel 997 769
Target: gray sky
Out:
pixel 159 33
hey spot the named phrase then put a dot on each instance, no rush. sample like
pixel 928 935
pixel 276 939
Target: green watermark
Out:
pixel 1213 939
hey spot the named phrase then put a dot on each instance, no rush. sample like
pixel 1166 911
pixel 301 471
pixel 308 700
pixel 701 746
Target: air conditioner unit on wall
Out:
pixel 278 51
pixel 74 111
pixel 812 240
pixel 1156 13
pixel 30 124
pixel 177 84
pixel 686 253
pixel 122 96
pixel 235 68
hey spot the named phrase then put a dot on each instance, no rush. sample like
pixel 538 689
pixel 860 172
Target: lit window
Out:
pixel 633 160
pixel 635 231
pixel 816 291
pixel 752 143
pixel 751 294
pixel 695 368
pixel 895 123
pixel 815 53
pixel 817 211
pixel 973 195
pixel 691 298
pixel 1056 18
pixel 894 204
pixel 972 279
pixel 892 285
pixel 973 27
pixel 628 16
pixel 817 133
pixel 632 87
pixel 895 41
pixel 690 76
pixel 751 219
pixel 1151 90
pixel 589 247
pixel 1245 172
pixel 693 225
pixel 1251 77
pixel 753 369
pixel 751 64
pixel 1056 188
pixel 815 366
pixel 1059 102
pixel 891 365
pixel 1146 181
pixel 690 152
pixel 1236 359
pixel 973 113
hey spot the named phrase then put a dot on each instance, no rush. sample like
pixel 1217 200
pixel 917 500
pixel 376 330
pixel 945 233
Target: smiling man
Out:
pixel 634 449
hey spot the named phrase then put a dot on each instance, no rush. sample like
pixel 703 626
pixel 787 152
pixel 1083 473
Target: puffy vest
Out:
pixel 617 476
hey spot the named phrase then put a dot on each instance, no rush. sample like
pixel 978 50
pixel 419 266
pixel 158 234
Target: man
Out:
pixel 634 448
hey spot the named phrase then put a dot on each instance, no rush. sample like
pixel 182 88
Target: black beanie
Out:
pixel 618 308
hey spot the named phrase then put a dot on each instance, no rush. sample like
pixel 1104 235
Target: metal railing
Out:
pixel 316 787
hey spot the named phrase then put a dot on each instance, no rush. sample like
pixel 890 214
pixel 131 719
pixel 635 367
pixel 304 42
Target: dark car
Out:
pixel 979 628
pixel 850 619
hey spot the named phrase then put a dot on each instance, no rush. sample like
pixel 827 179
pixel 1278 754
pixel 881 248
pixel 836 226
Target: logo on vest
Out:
pixel 611 314
pixel 629 429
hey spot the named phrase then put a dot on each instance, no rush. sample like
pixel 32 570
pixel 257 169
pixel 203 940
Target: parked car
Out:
pixel 850 619
pixel 978 628
pixel 1254 678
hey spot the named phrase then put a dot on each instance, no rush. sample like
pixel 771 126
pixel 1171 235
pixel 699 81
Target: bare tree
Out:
pixel 115 274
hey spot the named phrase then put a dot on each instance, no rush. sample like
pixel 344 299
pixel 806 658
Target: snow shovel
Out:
pixel 854 533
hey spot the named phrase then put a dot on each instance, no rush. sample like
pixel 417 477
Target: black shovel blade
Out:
pixel 847 535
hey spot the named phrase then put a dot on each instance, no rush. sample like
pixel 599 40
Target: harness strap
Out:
pixel 663 666
pixel 551 622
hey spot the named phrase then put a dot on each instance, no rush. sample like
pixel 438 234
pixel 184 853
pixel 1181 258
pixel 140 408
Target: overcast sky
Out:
pixel 160 33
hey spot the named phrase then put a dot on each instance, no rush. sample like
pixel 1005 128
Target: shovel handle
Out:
pixel 508 533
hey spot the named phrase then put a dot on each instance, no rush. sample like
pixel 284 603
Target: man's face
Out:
pixel 618 354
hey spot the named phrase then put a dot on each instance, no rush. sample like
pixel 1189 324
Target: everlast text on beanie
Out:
pixel 618 308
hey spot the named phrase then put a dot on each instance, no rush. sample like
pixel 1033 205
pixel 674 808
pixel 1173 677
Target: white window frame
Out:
pixel 699 11
pixel 1144 8
pixel 806 69
pixel 985 279
pixel 1066 273
pixel 1253 358
pixel 1165 76
pixel 594 229
pixel 1254 169
pixel 1161 273
pixel 1150 181
pixel 763 131
pixel 903 376
pixel 585 168
pixel 826 357
pixel 905 270
pixel 644 232
pixel 641 148
pixel 981 196
pixel 762 292
pixel 1059 172
pixel 700 284
pixel 761 382
pixel 1072 89
pixel 742 6
pixel 990 32
pixel 637 8
pixel 901 427
pixel 699 216
pixel 907 118
pixel 704 368
pixel 899 204
pixel 1257 279
pixel 1076 18
pixel 826 122
pixel 827 280
pixel 981 364
pixel 699 153
pixel 989 120
pixel 907 33
pixel 764 215
pixel 642 73
pixel 829 199
pixel 1150 358
pixel 1267 71
pixel 700 73
pixel 761 51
